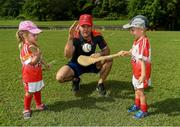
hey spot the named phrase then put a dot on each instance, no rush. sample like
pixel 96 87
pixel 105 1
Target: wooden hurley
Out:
pixel 87 60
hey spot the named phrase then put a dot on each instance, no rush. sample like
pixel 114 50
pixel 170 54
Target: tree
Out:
pixel 36 8
pixel 161 13
pixel 110 8
pixel 10 8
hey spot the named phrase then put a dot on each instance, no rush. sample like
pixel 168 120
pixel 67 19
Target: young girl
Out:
pixel 141 64
pixel 31 58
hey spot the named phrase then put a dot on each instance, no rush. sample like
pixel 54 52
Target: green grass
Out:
pixel 63 23
pixel 89 108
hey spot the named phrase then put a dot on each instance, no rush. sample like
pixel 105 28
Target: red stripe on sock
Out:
pixel 27 102
pixel 37 98
pixel 137 102
pixel 144 107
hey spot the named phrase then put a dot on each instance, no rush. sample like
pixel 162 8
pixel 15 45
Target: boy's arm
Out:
pixel 143 71
pixel 125 53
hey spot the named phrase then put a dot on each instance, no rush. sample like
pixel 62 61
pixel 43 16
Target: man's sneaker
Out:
pixel 140 114
pixel 75 85
pixel 26 114
pixel 133 108
pixel 41 107
pixel 101 89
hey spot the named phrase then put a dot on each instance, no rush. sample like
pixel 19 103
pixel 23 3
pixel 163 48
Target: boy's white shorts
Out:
pixel 138 85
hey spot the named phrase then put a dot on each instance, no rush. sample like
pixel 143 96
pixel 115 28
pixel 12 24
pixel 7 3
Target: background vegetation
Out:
pixel 163 14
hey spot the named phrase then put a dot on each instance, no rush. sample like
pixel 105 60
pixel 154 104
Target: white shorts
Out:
pixel 138 85
pixel 34 86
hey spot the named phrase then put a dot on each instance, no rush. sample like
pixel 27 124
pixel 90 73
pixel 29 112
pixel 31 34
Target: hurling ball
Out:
pixel 86 47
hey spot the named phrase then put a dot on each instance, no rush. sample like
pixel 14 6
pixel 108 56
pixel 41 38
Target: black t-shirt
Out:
pixel 97 39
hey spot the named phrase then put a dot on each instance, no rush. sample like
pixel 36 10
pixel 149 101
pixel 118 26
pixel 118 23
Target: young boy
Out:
pixel 141 64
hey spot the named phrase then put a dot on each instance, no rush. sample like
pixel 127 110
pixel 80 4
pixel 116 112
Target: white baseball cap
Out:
pixel 138 21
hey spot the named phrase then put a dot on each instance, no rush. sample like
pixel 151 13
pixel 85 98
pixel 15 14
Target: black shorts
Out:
pixel 79 70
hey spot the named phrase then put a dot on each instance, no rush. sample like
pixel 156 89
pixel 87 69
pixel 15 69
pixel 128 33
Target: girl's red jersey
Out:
pixel 30 73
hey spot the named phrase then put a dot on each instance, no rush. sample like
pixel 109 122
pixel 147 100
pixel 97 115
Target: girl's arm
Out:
pixel 47 66
pixel 36 58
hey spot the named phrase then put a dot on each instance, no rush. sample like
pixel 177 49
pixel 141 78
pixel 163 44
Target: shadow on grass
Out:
pixel 83 103
pixel 170 106
pixel 115 89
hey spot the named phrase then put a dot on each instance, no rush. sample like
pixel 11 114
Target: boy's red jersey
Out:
pixel 141 50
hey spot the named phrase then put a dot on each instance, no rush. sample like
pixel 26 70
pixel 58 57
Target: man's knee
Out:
pixel 108 63
pixel 60 77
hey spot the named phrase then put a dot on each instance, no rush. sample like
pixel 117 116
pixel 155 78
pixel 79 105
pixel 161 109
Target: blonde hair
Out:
pixel 20 37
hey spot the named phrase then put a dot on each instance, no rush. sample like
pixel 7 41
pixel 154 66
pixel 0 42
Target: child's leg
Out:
pixel 143 103
pixel 136 106
pixel 27 101
pixel 37 98
pixel 137 99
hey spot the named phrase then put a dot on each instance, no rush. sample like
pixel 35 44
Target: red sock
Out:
pixel 137 102
pixel 27 102
pixel 37 98
pixel 144 107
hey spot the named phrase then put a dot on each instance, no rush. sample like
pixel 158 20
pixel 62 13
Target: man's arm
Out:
pixel 69 47
pixel 103 52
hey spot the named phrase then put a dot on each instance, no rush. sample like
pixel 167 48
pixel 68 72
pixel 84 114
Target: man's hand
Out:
pixel 96 55
pixel 74 28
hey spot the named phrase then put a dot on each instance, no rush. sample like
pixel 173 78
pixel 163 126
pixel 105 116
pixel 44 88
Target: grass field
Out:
pixel 63 23
pixel 89 108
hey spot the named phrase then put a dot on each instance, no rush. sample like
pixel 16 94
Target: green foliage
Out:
pixel 10 8
pixel 160 13
pixel 36 8
pixel 110 9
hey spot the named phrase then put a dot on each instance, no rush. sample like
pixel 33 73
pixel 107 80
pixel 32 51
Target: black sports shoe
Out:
pixel 101 89
pixel 75 85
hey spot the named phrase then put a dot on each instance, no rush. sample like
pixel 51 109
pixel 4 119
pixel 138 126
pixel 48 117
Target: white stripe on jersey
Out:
pixel 26 49
pixel 137 54
pixel 143 46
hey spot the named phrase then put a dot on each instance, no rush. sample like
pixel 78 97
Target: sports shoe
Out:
pixel 41 107
pixel 27 114
pixel 140 114
pixel 101 89
pixel 133 108
pixel 75 85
